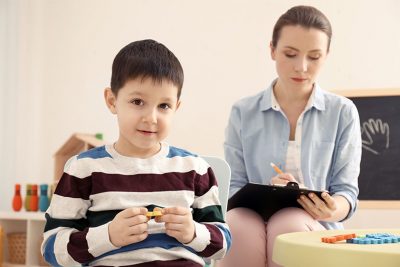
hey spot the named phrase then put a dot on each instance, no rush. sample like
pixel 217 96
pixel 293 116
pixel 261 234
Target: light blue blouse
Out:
pixel 258 133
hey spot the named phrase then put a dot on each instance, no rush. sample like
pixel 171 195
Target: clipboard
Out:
pixel 268 199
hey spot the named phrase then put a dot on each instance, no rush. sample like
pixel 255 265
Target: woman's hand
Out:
pixel 319 209
pixel 283 178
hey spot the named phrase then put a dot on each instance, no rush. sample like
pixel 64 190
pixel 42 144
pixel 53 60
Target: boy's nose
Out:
pixel 150 116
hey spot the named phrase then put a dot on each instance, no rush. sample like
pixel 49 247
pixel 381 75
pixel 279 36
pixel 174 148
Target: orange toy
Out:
pixel 154 213
pixel 337 238
pixel 17 199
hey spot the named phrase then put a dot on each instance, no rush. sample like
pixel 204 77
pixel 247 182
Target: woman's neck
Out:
pixel 291 96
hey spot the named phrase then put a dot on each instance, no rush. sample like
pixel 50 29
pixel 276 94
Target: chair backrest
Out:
pixel 222 173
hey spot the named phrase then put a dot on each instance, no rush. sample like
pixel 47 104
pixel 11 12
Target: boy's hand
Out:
pixel 178 223
pixel 129 226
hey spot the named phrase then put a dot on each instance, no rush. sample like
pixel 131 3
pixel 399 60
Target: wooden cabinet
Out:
pixel 31 223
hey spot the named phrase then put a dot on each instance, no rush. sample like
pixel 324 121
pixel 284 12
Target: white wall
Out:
pixel 22 132
pixel 58 57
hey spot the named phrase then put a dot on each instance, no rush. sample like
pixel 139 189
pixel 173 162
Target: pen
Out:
pixel 279 171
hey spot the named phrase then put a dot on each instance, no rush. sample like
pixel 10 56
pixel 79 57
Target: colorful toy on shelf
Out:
pixel 27 204
pixel 99 136
pixel 372 239
pixel 34 200
pixel 76 144
pixel 43 198
pixel 17 199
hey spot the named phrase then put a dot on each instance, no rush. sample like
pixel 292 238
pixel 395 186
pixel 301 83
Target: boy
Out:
pixel 99 212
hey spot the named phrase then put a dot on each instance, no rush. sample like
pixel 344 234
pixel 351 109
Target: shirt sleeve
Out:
pixel 213 237
pixel 68 239
pixel 346 168
pixel 233 150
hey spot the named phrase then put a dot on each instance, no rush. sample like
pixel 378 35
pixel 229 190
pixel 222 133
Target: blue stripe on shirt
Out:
pixel 178 152
pixel 227 235
pixel 48 253
pixel 153 240
pixel 95 153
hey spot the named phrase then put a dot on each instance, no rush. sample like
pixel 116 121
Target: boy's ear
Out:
pixel 272 48
pixel 110 99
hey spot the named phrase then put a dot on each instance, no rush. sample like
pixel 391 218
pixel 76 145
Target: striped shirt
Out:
pixel 99 183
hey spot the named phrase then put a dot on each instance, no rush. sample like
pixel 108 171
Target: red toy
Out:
pixel 17 199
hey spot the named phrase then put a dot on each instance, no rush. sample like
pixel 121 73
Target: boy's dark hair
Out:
pixel 305 16
pixel 146 59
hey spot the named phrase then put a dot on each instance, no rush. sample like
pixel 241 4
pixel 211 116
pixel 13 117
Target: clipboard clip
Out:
pixel 293 185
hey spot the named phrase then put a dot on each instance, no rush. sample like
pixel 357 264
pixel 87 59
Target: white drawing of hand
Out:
pixel 372 131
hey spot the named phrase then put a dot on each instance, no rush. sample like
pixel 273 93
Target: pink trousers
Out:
pixel 253 239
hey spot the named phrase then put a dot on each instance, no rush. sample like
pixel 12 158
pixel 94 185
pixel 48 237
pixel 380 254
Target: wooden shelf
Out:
pixel 31 223
pixel 22 215
pixel 7 264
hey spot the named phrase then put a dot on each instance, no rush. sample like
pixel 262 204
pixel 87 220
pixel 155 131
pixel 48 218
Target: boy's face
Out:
pixel 145 109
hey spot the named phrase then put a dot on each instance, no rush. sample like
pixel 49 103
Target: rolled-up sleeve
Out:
pixel 346 168
pixel 234 151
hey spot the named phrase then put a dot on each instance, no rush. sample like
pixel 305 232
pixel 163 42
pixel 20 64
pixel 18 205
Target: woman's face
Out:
pixel 299 55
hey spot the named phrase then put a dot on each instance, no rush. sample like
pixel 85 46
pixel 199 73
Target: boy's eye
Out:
pixel 164 106
pixel 137 101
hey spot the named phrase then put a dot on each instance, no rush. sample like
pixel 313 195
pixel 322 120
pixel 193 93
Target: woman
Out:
pixel 313 135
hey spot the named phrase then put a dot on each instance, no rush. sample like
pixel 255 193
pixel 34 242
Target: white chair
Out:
pixel 222 173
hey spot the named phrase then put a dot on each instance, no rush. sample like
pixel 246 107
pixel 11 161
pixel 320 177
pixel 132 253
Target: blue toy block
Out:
pixel 375 238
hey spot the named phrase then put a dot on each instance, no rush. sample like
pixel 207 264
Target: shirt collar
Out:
pixel 319 97
pixel 269 101
pixel 266 101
